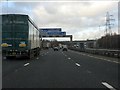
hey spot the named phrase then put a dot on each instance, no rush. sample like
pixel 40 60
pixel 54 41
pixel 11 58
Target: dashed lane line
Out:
pixel 26 64
pixel 4 57
pixel 108 86
pixel 69 58
pixel 77 64
pixel 88 71
pixel 65 55
pixel 37 58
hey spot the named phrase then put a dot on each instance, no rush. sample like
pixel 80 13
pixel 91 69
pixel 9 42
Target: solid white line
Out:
pixel 77 64
pixel 115 62
pixel 97 57
pixel 26 64
pixel 108 86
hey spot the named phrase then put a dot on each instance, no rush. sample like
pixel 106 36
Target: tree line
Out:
pixel 109 42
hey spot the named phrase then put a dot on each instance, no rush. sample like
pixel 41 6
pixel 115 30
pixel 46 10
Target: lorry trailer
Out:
pixel 20 36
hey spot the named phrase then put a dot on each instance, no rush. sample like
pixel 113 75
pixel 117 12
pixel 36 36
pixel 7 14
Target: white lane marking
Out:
pixel 106 60
pixel 77 64
pixel 65 55
pixel 115 62
pixel 42 54
pixel 4 57
pixel 26 64
pixel 108 86
pixel 96 57
pixel 37 58
pixel 69 58
pixel 89 71
pixel 16 70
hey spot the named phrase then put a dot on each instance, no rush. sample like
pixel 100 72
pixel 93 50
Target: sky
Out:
pixel 76 17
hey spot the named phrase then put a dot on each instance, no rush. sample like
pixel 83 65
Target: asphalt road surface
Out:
pixel 61 69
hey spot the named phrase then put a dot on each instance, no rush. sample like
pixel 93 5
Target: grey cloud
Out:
pixel 71 17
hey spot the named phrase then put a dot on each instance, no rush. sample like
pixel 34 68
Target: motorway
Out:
pixel 61 69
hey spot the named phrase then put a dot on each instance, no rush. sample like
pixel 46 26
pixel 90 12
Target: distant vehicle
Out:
pixel 56 48
pixel 82 47
pixel 64 48
pixel 20 36
pixel 45 45
pixel 60 46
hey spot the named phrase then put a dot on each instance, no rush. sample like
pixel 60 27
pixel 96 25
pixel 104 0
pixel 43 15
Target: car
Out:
pixel 64 49
pixel 55 48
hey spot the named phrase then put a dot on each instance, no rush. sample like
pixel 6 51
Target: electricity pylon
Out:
pixel 108 23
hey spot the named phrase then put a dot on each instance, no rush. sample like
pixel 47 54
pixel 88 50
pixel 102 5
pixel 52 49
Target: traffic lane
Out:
pixel 17 70
pixel 13 64
pixel 102 57
pixel 105 71
pixel 42 65
pixel 53 70
pixel 44 51
pixel 10 65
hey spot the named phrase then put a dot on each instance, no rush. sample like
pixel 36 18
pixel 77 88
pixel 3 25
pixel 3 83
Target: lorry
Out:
pixel 20 36
pixel 82 47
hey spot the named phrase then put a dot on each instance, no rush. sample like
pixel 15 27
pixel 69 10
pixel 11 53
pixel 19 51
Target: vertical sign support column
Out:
pixel 1 48
pixel 70 37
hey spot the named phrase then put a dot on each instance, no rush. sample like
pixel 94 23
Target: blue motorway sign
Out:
pixel 56 33
pixel 51 30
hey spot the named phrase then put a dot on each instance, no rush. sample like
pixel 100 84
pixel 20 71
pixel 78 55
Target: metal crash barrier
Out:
pixel 105 52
